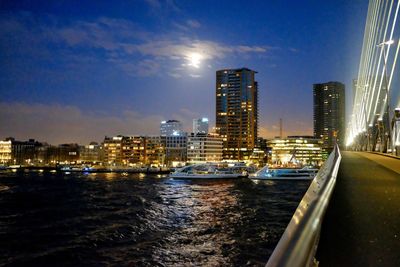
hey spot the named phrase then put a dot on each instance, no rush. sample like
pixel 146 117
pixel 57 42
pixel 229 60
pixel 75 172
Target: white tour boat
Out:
pixel 209 171
pixel 266 173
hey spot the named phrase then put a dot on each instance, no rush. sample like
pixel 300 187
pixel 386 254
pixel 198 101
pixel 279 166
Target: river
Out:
pixel 107 219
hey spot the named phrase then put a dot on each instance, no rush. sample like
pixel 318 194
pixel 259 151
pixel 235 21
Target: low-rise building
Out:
pixel 68 153
pixel 133 150
pixel 175 149
pixel 297 149
pixel 204 148
pixel 154 151
pixel 112 150
pixel 90 153
pixel 5 151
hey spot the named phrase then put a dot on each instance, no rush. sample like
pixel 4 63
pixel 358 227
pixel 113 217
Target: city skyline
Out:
pixel 122 69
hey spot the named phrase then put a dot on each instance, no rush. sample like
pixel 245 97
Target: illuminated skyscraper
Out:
pixel 236 111
pixel 200 126
pixel 171 128
pixel 329 113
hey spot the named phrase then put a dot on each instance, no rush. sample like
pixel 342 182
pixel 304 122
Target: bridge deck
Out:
pixel 362 223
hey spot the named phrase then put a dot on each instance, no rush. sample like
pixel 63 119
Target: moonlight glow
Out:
pixel 195 60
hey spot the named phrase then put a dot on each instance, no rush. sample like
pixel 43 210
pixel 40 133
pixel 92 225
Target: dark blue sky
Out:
pixel 74 72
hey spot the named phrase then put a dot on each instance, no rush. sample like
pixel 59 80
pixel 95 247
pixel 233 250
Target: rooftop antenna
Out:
pixel 280 129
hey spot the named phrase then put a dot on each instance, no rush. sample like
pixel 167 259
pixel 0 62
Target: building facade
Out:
pixel 200 126
pixel 68 153
pixel 296 150
pixel 237 111
pixel 175 148
pixel 171 128
pixel 135 150
pixel 154 151
pixel 329 113
pixel 112 150
pixel 90 153
pixel 5 152
pixel 204 148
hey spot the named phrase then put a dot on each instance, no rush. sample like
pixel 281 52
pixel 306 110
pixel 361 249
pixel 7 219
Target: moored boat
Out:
pixel 209 171
pixel 266 173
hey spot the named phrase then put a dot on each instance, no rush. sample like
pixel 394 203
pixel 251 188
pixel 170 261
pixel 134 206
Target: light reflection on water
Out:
pixel 141 220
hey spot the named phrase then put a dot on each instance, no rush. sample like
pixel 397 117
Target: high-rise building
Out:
pixel 171 128
pixel 237 111
pixel 200 126
pixel 329 113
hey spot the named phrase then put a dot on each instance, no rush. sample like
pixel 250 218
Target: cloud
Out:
pixel 163 6
pixel 56 124
pixel 193 23
pixel 65 124
pixel 174 74
pixel 153 3
pixel 145 67
pixel 250 49
pixel 135 51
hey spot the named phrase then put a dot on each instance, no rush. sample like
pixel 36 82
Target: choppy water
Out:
pixel 136 220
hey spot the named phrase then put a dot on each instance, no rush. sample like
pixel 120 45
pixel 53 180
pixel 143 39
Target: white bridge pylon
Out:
pixel 372 120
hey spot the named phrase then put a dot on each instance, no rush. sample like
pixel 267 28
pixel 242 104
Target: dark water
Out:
pixel 113 220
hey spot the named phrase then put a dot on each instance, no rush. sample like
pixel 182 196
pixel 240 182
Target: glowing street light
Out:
pixel 385 43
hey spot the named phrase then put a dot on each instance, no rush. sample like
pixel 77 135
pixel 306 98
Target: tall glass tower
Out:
pixel 329 113
pixel 237 111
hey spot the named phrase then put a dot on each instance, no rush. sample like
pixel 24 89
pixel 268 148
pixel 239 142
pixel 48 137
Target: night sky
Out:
pixel 76 71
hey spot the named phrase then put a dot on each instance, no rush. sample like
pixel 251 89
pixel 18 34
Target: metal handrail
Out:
pixel 298 244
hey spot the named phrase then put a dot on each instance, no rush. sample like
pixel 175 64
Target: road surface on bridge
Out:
pixel 362 223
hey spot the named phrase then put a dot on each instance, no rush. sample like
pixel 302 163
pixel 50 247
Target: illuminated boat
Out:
pixel 266 173
pixel 209 171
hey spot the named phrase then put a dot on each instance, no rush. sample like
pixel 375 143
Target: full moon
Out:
pixel 195 60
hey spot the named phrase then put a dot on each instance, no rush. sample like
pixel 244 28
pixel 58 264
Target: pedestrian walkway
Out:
pixel 362 223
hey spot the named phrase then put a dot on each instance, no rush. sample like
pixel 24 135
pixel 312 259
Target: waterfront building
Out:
pixel 200 126
pixel 133 150
pixel 175 149
pixel 154 151
pixel 47 154
pixel 237 112
pixel 171 128
pixel 203 147
pixel 112 150
pixel 18 152
pixel 259 157
pixel 329 113
pixel 68 153
pixel 296 149
pixel 261 152
pixel 90 153
pixel 5 152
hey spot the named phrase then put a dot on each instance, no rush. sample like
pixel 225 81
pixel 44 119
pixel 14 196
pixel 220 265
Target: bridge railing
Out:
pixel 298 244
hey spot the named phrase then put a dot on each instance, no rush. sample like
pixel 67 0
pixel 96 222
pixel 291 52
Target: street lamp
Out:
pixel 382 45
